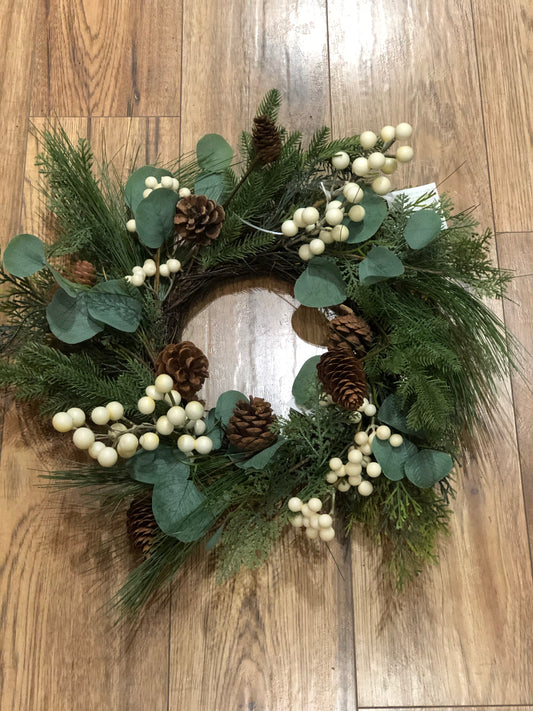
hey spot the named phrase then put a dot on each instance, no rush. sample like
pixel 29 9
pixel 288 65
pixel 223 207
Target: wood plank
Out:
pixel 400 67
pixel 515 252
pixel 450 708
pixel 98 58
pixel 63 562
pixel 277 638
pixel 17 23
pixel 504 44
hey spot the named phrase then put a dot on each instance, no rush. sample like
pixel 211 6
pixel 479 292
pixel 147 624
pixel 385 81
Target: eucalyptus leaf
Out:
pixel 390 414
pixel 174 497
pixel 69 318
pixel 213 430
pixel 427 467
pixel 304 386
pixel 215 538
pixel 422 228
pixel 392 459
pixel 212 185
pixel 375 213
pixel 226 404
pixel 321 284
pixel 70 287
pixel 133 192
pixel 261 459
pixel 152 467
pixel 154 217
pixel 24 255
pixel 213 153
pixel 380 264
pixel 110 303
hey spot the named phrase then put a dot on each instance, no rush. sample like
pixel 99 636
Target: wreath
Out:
pixel 93 334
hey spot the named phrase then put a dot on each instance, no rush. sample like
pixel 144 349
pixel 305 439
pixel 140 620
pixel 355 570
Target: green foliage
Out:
pixel 24 255
pixel 321 284
pixel 154 217
pixel 422 228
pixel 270 105
pixel 135 185
pixel 305 383
pixel 375 213
pixel 380 264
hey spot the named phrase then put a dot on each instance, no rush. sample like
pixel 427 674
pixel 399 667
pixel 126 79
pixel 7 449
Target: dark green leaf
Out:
pixel 376 212
pixel 154 217
pixel 214 153
pixel 174 498
pixel 69 318
pixel 428 467
pixel 109 302
pixel 133 192
pixel 321 284
pixel 304 386
pixel 24 255
pixel 390 415
pixel 422 228
pixel 261 459
pixel 152 467
pixel 226 403
pixel 215 538
pixel 212 185
pixel 70 287
pixel 379 265
pixel 392 459
pixel 213 431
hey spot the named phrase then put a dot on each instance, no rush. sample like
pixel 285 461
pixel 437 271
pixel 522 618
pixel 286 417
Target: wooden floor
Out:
pixel 304 633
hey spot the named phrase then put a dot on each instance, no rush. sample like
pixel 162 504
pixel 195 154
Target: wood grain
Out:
pixel 504 42
pixel 400 67
pixel 17 22
pixel 98 58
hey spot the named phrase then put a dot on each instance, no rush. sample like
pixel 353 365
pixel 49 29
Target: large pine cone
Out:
pixel 141 524
pixel 198 219
pixel 249 426
pixel 187 366
pixel 266 140
pixel 349 328
pixel 83 272
pixel 343 377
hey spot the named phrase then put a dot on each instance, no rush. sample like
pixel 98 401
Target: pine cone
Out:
pixel 198 219
pixel 266 140
pixel 186 364
pixel 249 426
pixel 349 328
pixel 83 272
pixel 141 524
pixel 343 377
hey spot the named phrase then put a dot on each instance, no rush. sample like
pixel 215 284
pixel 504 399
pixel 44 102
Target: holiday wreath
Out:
pixel 94 327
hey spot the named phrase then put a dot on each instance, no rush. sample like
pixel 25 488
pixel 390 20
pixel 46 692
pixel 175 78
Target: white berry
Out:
pixel 175 184
pixel 365 488
pixel 311 533
pixel 368 139
pixel 355 456
pixel 147 192
pixel 357 213
pixel 174 265
pixel 78 416
pixel 381 185
pixel 149 267
pixel 289 228
pixel 172 398
pixel 335 463
pixel 343 485
pixel 131 226
pixel 305 253
pixel 353 192
pixel 403 131
pixel 396 440
pixel 164 271
pixel 298 217
pixel 334 216
pixel 383 432
pixel 391 164
pixel 62 422
pixel 313 521
pixel 164 383
pixel 366 449
pixel 325 521
pixel 177 416
pixel 352 469
pixel 340 233
pixel 115 410
pixel 310 215
pixel 116 429
pixel 297 521
pixel 184 193
pixel 316 246
pixel 294 504
pixel 107 457
pixel 354 480
pixel 306 511
pixel 314 504
pixel 151 182
pixel 167 182
pixel 128 442
pixel 149 441
pixel 186 443
pixel 199 427
pixel 83 438
pixel 373 469
pixel 331 477
pixel 203 445
pixel 360 167
pixel 194 410
pixel 326 534
pixel 376 160
pixel 370 410
pixel 164 426
pixel 137 279
pixel 146 405
pixel 361 438
pixel 326 236
pixel 388 133
pixel 95 449
pixel 340 160
pixel 404 154
pixel 100 416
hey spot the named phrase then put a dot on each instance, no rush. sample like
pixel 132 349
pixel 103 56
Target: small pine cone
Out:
pixel 266 140
pixel 83 272
pixel 249 426
pixel 198 219
pixel 343 377
pixel 141 524
pixel 187 366
pixel 349 328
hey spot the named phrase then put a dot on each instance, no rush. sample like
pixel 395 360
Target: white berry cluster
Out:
pixel 123 438
pixel 150 269
pixel 308 516
pixel 152 183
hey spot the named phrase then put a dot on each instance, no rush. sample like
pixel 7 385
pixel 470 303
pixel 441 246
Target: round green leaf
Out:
pixel 69 318
pixel 261 459
pixel 321 284
pixel 389 414
pixel 70 287
pixel 212 185
pixel 422 228
pixel 392 459
pixel 375 213
pixel 304 386
pixel 133 192
pixel 152 467
pixel 379 265
pixel 109 303
pixel 428 467
pixel 226 404
pixel 154 217
pixel 24 255
pixel 213 153
pixel 177 506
